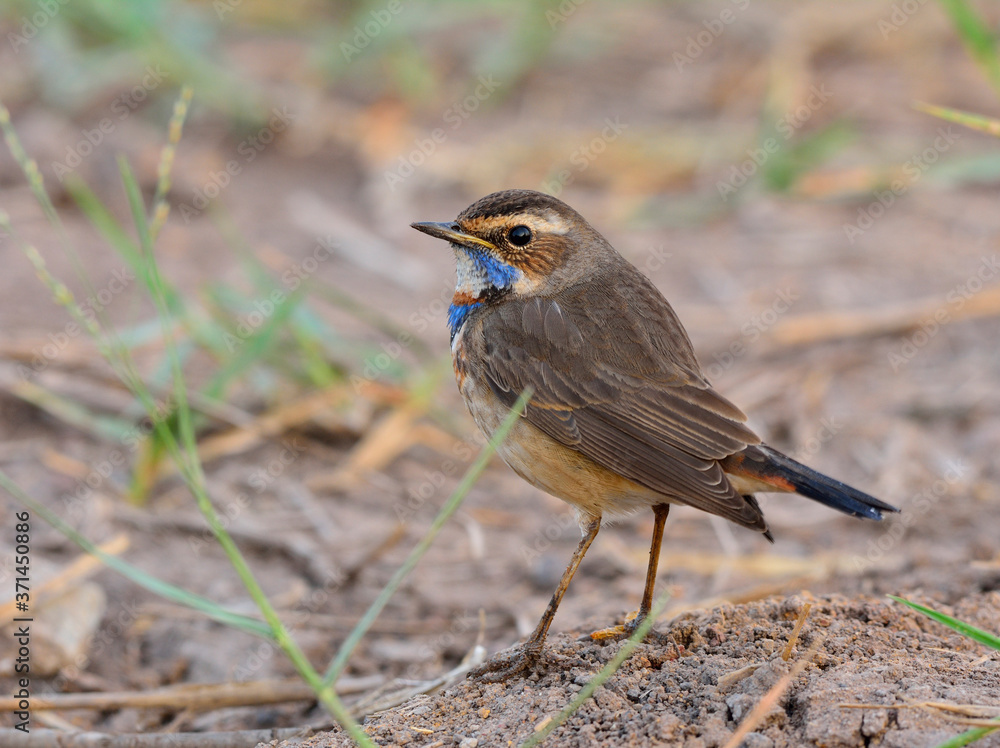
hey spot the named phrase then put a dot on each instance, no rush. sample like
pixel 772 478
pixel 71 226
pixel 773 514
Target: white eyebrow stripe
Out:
pixel 550 223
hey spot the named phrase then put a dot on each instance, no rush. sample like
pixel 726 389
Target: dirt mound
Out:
pixel 695 680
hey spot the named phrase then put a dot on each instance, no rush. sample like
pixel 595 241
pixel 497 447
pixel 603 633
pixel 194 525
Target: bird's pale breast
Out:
pixel 567 474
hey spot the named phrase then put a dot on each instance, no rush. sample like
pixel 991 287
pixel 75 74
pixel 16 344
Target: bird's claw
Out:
pixel 632 621
pixel 506 665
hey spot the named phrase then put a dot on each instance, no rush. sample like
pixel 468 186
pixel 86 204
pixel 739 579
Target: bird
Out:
pixel 621 416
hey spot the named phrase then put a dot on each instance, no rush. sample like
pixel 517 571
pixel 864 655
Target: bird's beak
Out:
pixel 452 232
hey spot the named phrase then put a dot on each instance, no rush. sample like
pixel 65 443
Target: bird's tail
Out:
pixel 781 473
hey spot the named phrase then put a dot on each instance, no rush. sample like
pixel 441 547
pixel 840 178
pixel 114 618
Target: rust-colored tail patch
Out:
pixel 758 476
pixel 763 469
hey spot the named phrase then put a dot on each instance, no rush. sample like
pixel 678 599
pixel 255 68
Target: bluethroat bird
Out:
pixel 621 416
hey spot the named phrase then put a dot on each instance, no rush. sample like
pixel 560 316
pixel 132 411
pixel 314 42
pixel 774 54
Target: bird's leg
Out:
pixel 508 664
pixel 632 621
pixel 660 512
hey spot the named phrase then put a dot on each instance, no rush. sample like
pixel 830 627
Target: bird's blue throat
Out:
pixel 457 314
pixel 481 278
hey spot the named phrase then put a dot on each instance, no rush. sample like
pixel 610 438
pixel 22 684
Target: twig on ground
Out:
pixel 201 697
pixel 768 701
pixel 399 691
pixel 803 614
pixel 80 569
pixel 816 328
pixel 12 738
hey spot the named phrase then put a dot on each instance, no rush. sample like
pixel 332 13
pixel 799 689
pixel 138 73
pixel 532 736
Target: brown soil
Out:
pixel 693 681
pixel 922 432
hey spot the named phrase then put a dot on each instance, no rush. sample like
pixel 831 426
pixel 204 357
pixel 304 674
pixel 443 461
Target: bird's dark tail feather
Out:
pixel 823 488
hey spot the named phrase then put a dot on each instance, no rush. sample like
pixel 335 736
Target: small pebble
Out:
pixel 757 740
pixel 739 704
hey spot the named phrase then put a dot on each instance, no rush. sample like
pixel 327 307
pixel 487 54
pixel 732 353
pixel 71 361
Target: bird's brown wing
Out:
pixel 614 377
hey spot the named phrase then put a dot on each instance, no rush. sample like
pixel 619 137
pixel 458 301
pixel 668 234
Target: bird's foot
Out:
pixel 505 665
pixel 632 621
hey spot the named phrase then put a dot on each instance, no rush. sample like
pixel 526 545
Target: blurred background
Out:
pixel 830 244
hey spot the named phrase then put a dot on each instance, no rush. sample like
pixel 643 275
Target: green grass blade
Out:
pixel 801 156
pixel 102 219
pixel 71 412
pixel 308 329
pixel 133 573
pixel 159 291
pixel 371 316
pixel 136 204
pixel 185 455
pixel 454 501
pixel 966 119
pixel 969 736
pixel 161 208
pixel 606 672
pixel 108 226
pixel 29 167
pixel 251 349
pixel 975 34
pixel 304 328
pixel 31 172
pixel 977 634
pixel 314 361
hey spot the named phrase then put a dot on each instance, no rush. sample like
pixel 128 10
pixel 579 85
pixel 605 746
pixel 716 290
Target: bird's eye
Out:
pixel 519 236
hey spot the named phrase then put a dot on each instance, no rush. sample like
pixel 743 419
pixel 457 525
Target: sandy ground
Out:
pixel 870 681
pixel 900 405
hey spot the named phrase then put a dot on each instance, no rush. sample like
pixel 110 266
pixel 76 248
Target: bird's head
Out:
pixel 519 242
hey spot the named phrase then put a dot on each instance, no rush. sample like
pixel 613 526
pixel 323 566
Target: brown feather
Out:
pixel 615 377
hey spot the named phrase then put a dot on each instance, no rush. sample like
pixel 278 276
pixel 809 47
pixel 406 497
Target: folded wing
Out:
pixel 629 396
